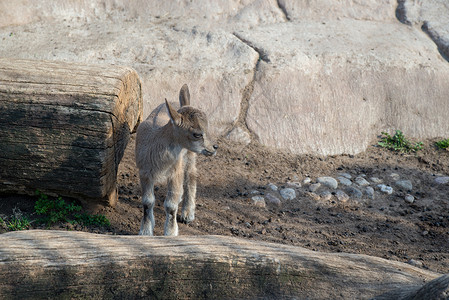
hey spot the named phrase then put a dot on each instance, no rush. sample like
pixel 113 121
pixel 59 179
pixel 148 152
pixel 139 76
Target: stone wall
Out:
pixel 322 77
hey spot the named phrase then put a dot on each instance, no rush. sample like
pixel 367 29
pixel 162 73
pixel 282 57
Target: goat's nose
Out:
pixel 215 147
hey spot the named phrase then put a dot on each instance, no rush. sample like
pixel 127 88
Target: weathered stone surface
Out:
pixel 324 10
pixel 221 13
pixel 332 87
pixel 43 264
pixel 331 76
pixel 216 65
pixel 430 15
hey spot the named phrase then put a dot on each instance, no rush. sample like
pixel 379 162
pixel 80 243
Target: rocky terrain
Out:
pixel 322 77
pixel 260 194
pixel 297 92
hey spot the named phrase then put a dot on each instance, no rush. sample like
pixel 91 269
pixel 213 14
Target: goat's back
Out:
pixel 159 116
pixel 150 139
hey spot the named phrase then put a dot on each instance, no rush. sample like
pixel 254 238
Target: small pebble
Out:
pixel 314 187
pixel 326 195
pixel 272 186
pixel 376 180
pixel 385 189
pixel 409 198
pixel 288 194
pixel 254 192
pixel 395 176
pixel 258 201
pixel 442 180
pixel 328 181
pixel 314 196
pixel 425 232
pixel 369 191
pixel 294 177
pixel 354 192
pixel 345 175
pixel 295 185
pixel 273 199
pixel 415 263
pixel 361 181
pixel 405 184
pixel 306 180
pixel 344 181
pixel 341 196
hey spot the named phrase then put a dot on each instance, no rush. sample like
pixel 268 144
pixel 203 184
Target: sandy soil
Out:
pixel 387 227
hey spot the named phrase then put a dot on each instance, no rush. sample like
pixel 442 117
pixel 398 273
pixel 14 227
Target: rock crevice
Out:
pixel 328 75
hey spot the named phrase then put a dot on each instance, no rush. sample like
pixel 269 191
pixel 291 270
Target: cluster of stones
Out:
pixel 342 188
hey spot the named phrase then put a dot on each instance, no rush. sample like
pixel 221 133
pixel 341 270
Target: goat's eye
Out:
pixel 197 135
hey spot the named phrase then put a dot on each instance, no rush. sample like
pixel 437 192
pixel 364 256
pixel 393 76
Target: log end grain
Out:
pixel 65 126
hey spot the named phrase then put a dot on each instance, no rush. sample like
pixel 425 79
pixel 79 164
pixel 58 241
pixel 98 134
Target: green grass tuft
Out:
pixel 443 144
pixel 18 223
pixel 399 143
pixel 53 211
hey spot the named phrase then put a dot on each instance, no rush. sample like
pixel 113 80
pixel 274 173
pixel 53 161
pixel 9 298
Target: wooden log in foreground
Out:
pixel 69 265
pixel 64 127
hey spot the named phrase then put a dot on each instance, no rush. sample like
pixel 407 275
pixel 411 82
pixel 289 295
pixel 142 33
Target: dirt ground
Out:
pixel 387 227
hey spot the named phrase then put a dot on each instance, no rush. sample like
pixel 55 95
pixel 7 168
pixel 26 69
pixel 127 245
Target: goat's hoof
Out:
pixel 186 219
pixel 145 232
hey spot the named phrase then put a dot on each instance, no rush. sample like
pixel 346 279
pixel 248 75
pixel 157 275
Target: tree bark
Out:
pixel 64 127
pixel 57 264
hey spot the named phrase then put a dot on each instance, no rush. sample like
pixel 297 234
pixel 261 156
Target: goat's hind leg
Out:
pixel 148 200
pixel 188 206
pixel 174 196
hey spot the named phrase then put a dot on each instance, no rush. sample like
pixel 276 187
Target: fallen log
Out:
pixel 437 289
pixel 64 127
pixel 59 264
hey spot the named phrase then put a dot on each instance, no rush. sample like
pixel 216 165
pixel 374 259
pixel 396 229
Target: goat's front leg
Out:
pixel 174 197
pixel 188 206
pixel 148 200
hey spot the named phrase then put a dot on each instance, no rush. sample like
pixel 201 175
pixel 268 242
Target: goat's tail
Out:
pixel 184 96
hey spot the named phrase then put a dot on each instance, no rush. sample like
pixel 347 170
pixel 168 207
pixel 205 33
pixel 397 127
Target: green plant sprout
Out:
pixel 20 223
pixel 443 144
pixel 58 210
pixel 398 142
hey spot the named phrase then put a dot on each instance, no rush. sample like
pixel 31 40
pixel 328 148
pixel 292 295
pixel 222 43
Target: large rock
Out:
pixel 331 87
pixel 332 76
pixel 432 16
pixel 324 10
pixel 219 13
pixel 216 65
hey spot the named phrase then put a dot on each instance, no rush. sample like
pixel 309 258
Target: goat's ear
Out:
pixel 175 117
pixel 184 95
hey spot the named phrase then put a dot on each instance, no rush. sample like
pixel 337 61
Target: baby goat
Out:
pixel 166 146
